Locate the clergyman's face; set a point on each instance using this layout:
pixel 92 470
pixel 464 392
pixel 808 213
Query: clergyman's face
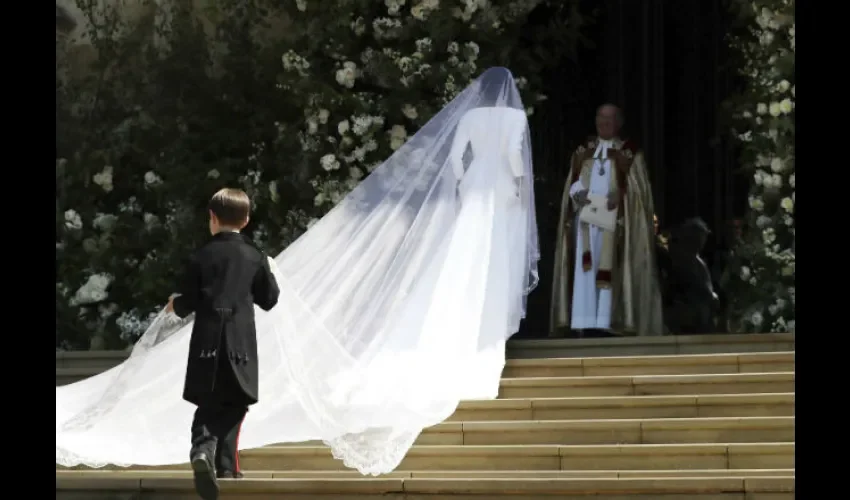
pixel 606 122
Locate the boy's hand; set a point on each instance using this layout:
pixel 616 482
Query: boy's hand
pixel 170 307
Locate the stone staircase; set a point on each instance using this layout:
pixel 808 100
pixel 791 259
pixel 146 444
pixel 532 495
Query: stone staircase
pixel 703 417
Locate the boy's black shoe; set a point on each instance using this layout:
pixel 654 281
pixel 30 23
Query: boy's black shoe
pixel 227 474
pixel 205 480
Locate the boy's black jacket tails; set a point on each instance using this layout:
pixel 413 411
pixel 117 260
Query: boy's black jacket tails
pixel 222 282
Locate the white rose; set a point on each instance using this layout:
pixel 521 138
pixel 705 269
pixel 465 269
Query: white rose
pixel 776 180
pixel 301 5
pixel 756 319
pixel 777 165
pixel 323 116
pixel 398 135
pixel 151 179
pixel 355 173
pixel 329 162
pixel 792 180
pixel 418 12
pixel 347 74
pixel 393 6
pixel 763 221
pixel 73 220
pixel 213 174
pixel 342 127
pixel 423 45
pixel 410 112
pixel 745 273
pixel 758 177
pixel 787 204
pixel 756 203
pixel 793 91
pixel 783 86
pixel 785 106
pixel 774 109
pixel 761 108
pixel 104 178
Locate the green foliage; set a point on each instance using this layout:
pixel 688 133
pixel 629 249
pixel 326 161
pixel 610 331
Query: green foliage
pixel 176 103
pixel 761 279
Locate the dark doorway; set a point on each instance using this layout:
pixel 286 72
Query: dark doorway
pixel 666 65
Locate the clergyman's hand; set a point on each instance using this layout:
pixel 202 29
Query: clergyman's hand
pixel 613 200
pixel 580 198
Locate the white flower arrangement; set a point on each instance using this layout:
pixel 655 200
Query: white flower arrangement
pixel 765 130
pixel 350 84
pixel 350 132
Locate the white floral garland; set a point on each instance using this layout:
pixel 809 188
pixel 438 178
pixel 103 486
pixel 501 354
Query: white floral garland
pixel 343 134
pixel 348 147
pixel 765 129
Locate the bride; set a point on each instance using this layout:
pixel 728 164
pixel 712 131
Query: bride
pixel 394 307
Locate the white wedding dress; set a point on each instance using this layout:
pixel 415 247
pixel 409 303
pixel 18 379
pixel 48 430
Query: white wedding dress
pixel 394 307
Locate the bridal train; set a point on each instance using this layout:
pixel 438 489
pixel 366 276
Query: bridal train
pixel 394 307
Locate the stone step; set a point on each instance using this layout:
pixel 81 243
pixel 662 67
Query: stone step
pixel 577 367
pixel 675 406
pixel 651 365
pixel 97 361
pixel 534 457
pixel 89 360
pixel 639 385
pixel 434 474
pixel 547 457
pixel 550 348
pixel 703 488
pixel 624 385
pixel 623 431
pixel 563 367
pixel 650 346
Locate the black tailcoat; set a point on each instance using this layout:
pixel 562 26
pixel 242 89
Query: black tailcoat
pixel 223 281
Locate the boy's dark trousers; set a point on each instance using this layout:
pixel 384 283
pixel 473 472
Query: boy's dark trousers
pixel 218 422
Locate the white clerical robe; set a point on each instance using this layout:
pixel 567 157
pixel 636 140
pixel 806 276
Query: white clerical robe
pixel 591 306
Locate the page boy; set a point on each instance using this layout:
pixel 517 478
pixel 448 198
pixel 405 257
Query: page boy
pixel 223 280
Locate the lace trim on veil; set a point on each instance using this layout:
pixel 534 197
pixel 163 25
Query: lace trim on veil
pixel 163 327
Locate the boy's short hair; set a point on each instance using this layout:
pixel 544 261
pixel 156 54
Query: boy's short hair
pixel 231 206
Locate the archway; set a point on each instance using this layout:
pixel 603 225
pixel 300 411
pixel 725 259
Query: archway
pixel 666 67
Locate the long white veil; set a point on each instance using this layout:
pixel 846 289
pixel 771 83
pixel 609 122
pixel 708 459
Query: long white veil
pixel 394 307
